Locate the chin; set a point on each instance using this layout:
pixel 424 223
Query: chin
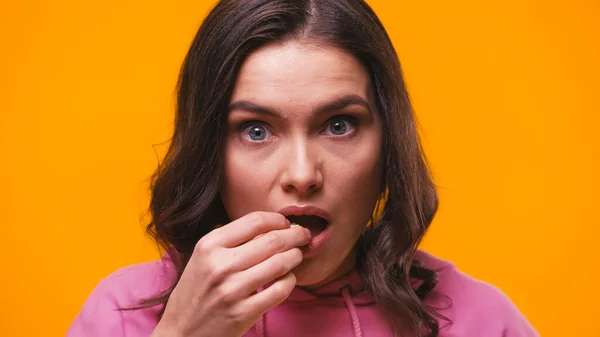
pixel 311 272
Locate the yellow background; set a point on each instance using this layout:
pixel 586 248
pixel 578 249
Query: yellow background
pixel 506 92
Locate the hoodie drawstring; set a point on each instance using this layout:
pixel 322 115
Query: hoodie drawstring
pixel 352 310
pixel 260 326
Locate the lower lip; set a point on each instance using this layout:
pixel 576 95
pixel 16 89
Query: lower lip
pixel 316 242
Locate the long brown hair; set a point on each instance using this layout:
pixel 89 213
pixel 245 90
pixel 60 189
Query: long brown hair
pixel 185 203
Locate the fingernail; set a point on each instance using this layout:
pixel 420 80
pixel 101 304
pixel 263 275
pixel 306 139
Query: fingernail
pixel 305 229
pixel 308 233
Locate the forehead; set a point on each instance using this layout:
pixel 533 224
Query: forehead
pixel 301 74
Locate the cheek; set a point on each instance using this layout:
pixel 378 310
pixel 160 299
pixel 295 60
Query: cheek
pixel 359 167
pixel 245 184
pixel 357 178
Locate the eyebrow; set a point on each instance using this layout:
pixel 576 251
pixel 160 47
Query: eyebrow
pixel 337 104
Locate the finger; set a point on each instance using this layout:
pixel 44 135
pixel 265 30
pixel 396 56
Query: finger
pixel 247 227
pixel 271 296
pixel 259 235
pixel 267 271
pixel 263 247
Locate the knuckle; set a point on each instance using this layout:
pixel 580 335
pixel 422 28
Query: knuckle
pixel 227 293
pixel 203 246
pixel 216 270
pixel 273 242
pixel 236 315
pixel 281 266
pixel 256 219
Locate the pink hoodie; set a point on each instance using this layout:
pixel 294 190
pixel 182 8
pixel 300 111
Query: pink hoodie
pixel 340 308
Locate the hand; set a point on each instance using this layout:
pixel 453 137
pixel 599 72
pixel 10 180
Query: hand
pixel 216 295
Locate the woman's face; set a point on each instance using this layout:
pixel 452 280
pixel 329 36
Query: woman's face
pixel 303 131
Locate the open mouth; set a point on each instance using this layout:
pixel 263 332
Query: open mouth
pixel 314 223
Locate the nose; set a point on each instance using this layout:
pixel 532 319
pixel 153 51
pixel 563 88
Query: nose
pixel 302 172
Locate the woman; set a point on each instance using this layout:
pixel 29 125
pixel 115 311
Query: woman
pixel 294 112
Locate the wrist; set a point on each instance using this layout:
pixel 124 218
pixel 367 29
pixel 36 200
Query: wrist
pixel 164 331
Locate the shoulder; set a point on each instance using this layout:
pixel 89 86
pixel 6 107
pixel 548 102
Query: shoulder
pixel 475 307
pixel 102 313
pixel 130 284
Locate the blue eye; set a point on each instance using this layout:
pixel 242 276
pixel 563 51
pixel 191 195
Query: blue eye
pixel 339 126
pixel 256 133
